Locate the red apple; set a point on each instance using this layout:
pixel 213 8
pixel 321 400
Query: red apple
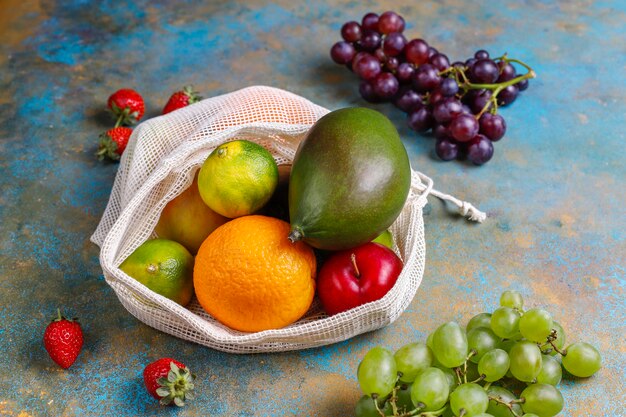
pixel 357 276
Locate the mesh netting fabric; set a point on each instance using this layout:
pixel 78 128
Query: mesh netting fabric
pixel 160 162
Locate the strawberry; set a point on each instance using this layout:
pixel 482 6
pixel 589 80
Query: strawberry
pixel 113 142
pixel 63 340
pixel 181 98
pixel 169 381
pixel 127 106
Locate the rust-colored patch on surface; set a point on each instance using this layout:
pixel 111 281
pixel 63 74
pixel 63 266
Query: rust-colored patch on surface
pixel 19 20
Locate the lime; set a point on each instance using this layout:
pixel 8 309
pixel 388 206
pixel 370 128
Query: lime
pixel 165 267
pixel 385 238
pixel 238 178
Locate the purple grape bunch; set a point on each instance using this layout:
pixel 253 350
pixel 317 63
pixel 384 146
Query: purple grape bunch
pixel 458 101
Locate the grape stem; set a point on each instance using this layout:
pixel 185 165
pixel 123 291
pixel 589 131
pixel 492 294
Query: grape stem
pixel 471 353
pixel 550 341
pixel 381 412
pixel 480 378
pixel 458 372
pixel 508 405
pixel 425 413
pixel 495 88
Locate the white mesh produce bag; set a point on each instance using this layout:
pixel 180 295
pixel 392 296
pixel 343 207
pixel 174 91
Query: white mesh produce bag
pixel 161 160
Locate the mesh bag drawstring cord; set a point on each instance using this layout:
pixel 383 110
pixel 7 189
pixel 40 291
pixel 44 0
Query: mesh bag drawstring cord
pixel 465 208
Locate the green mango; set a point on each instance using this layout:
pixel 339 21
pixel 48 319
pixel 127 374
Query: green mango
pixel 349 180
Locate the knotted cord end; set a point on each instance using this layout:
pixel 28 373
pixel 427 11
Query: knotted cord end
pixel 471 212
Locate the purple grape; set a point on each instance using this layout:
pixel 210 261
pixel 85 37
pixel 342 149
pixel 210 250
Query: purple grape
pixel 507 95
pixel 342 52
pixel 435 96
pixel 392 63
pixel 478 100
pixel 446 149
pixel 405 72
pixel 432 51
pixel 394 44
pixel 447 109
pixel 439 61
pixel 420 120
pixel 385 85
pixel 441 132
pixel 370 22
pixel 507 71
pixel 366 89
pixel 479 150
pixel 366 66
pixel 466 109
pixel 484 71
pixel 470 62
pixel 448 87
pixel 408 100
pixel 481 54
pixel 416 52
pixel 351 31
pixel 380 55
pixel 458 64
pixel 464 127
pixel 493 126
pixel 426 78
pixel 522 85
pixel 389 22
pixel 370 40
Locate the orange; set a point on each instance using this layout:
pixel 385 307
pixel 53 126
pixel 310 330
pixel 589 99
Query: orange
pixel 250 277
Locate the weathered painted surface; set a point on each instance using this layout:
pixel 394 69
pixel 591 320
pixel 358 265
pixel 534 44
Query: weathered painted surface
pixel 554 190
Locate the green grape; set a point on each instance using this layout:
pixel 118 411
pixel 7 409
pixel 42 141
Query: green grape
pixel 530 415
pixel 479 320
pixel 377 372
pixel 430 390
pixel 506 345
pixel 582 359
pixel 449 373
pixel 551 371
pixel 512 299
pixel 525 361
pixel 535 325
pixel 505 322
pixel 482 340
pixel 482 415
pixel 542 399
pixel 559 342
pixel 470 397
pixel 472 372
pixel 365 407
pixel 494 365
pixel 412 359
pixel 404 401
pixel 450 345
pixel 429 340
pixel 500 410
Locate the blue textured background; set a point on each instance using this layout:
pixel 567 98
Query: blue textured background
pixel 554 190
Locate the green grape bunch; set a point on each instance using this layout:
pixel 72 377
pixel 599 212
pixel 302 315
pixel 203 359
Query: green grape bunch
pixel 476 371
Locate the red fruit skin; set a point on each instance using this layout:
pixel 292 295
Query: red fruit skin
pixel 156 370
pixel 339 286
pixel 127 97
pixel 63 340
pixel 120 136
pixel 177 101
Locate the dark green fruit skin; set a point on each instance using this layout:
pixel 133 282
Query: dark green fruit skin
pixel 349 181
